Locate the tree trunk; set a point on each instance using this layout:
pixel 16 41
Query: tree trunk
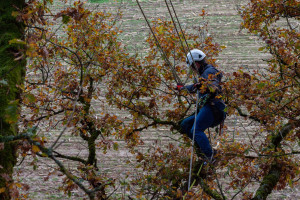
pixel 12 73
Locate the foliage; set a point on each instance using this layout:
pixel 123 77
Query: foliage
pixel 80 78
pixel 72 78
pixel 270 96
pixel 12 72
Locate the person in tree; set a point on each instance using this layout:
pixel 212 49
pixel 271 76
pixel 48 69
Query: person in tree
pixel 212 112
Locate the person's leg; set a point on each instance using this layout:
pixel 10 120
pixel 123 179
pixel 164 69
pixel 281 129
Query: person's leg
pixel 187 124
pixel 204 120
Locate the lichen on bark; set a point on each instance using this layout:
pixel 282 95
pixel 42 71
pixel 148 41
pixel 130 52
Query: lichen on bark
pixel 12 73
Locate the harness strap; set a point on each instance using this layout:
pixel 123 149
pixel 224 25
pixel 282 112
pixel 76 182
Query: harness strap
pixel 221 128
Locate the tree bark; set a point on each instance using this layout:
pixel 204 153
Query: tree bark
pixel 268 183
pixel 12 73
pixel 271 179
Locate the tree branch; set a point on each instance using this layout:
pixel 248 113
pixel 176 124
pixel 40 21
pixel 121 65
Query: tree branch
pixel 74 158
pixel 268 183
pixel 210 191
pixel 282 133
pixel 271 179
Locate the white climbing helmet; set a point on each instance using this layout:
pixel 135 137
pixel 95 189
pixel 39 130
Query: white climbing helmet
pixel 197 55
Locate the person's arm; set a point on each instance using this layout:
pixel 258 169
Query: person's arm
pixel 191 88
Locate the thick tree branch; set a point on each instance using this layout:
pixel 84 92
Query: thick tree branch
pixel 49 153
pixel 198 179
pixel 271 179
pixel 10 138
pixel 241 113
pixel 268 183
pixel 72 177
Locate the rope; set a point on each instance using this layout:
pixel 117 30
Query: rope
pixel 179 36
pixel 176 77
pixel 201 103
pixel 175 26
pixel 195 124
pixel 193 141
pixel 184 38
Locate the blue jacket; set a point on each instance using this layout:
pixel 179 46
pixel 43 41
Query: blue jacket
pixel 209 69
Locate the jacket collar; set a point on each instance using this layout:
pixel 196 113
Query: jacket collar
pixel 202 69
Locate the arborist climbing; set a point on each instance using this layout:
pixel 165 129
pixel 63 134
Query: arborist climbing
pixel 211 113
pixel 211 109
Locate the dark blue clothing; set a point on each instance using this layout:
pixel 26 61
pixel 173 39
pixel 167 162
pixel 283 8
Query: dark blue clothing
pixel 209 69
pixel 211 114
pixel 204 120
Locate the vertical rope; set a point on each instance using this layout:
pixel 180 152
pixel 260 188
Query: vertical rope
pixel 176 77
pixel 184 38
pixel 193 141
pixel 175 27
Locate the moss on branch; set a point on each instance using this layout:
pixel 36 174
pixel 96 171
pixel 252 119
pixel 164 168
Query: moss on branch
pixel 268 183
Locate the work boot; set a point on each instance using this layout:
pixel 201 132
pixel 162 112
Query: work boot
pixel 207 165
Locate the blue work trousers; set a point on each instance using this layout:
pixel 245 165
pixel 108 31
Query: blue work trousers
pixel 204 120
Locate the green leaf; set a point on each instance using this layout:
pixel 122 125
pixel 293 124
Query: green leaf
pixel 11 112
pixel 17 41
pixel 161 30
pixel 260 85
pixel 226 109
pixel 15 13
pixel 66 19
pixel 33 130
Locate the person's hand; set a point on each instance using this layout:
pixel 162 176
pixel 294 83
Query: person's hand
pixel 197 85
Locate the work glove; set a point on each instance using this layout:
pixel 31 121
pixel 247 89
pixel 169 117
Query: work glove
pixel 179 87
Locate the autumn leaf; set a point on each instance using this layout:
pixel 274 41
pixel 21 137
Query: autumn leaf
pixel 2 190
pixel 35 149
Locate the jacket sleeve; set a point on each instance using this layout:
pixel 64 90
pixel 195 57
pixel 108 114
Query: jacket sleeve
pixel 190 88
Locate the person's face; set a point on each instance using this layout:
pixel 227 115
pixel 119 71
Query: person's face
pixel 196 66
